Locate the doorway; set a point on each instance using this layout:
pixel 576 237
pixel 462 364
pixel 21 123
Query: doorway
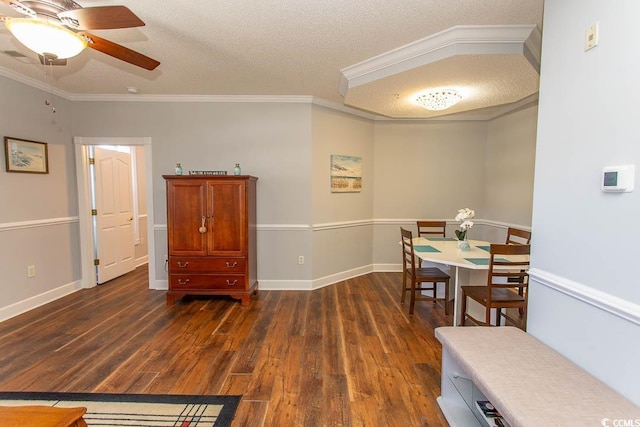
pixel 114 202
pixel 87 238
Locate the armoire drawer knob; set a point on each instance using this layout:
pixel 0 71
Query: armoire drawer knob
pixel 232 264
pixel 183 282
pixel 183 264
pixel 230 283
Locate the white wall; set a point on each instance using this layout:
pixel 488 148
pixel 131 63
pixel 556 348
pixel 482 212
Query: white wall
pixel 585 298
pixel 141 249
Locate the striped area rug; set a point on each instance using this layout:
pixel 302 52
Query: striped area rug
pixel 136 410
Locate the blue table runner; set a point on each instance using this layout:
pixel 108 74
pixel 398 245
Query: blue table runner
pixel 425 248
pixel 483 261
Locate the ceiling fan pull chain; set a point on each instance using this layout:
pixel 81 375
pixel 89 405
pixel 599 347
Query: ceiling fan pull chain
pixel 46 79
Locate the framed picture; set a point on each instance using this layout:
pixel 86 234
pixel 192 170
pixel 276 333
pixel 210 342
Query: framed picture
pixel 346 174
pixel 25 156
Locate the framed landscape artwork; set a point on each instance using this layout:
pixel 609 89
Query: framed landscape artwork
pixel 25 156
pixel 346 174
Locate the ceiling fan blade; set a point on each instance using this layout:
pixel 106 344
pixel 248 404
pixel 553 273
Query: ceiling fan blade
pixel 100 18
pixel 120 52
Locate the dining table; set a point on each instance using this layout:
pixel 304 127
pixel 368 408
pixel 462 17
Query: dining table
pixel 466 267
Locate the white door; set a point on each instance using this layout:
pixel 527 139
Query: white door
pixel 114 219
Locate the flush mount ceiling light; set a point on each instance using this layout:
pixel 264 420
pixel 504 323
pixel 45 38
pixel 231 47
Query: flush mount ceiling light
pixel 46 38
pixel 439 99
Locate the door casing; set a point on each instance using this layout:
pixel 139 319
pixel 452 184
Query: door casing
pixel 84 205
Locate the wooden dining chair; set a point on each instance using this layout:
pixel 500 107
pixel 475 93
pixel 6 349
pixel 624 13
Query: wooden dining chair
pixel 432 229
pixel 506 287
pixel 515 236
pixel 418 279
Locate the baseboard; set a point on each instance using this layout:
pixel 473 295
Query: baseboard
pixel 285 285
pixel 160 285
pixel 387 268
pixel 309 285
pixel 321 282
pixel 23 306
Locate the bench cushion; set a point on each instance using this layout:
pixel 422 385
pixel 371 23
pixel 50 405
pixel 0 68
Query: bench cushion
pixel 530 383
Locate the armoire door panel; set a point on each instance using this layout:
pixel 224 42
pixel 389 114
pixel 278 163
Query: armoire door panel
pixel 227 218
pixel 186 210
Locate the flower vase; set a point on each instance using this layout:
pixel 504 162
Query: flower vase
pixel 464 245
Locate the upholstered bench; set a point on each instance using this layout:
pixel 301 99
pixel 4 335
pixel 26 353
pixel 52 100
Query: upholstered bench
pixel 529 383
pixel 41 416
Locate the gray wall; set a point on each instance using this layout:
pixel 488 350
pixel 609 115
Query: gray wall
pixel 510 162
pixel 406 167
pixel 38 212
pixel 269 140
pixel 410 170
pixel 342 229
pixel 584 298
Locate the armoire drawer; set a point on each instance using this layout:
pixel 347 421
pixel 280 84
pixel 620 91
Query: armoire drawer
pixel 186 282
pixel 182 265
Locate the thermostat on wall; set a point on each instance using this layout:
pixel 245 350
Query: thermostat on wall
pixel 618 178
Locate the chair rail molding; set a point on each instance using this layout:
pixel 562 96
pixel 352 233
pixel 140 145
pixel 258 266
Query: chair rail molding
pixel 611 304
pixel 476 221
pixel 10 226
pixel 259 227
pixel 362 223
pixel 342 224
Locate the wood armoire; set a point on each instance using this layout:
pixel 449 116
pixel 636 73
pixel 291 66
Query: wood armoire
pixel 211 235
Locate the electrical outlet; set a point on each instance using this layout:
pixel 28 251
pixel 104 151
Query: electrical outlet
pixel 31 271
pixel 300 259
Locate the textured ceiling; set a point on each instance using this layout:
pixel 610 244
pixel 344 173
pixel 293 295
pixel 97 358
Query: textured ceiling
pixel 295 48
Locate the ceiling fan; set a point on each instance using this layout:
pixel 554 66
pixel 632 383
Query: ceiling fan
pixel 68 21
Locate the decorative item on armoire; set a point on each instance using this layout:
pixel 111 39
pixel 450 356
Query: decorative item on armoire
pixel 237 170
pixel 178 169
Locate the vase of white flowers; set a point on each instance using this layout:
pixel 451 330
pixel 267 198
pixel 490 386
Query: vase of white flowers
pixel 464 217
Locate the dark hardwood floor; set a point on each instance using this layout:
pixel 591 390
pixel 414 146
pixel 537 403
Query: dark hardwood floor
pixel 344 355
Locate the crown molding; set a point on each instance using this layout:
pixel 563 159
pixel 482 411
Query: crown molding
pixel 458 40
pixel 290 99
pixel 343 108
pixel 37 84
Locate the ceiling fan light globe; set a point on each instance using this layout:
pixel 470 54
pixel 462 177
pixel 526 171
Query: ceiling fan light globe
pixel 45 37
